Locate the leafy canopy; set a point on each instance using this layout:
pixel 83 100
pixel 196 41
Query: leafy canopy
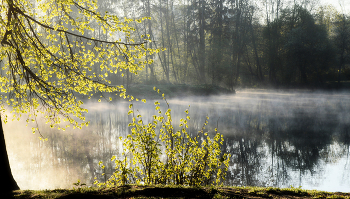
pixel 48 55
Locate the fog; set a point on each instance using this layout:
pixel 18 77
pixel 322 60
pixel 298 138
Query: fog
pixel 276 138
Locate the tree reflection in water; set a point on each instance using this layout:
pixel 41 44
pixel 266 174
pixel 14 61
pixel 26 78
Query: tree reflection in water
pixel 275 138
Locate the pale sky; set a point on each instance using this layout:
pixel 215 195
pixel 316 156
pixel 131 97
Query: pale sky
pixel 345 4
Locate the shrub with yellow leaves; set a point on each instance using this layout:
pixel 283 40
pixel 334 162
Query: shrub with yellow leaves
pixel 159 154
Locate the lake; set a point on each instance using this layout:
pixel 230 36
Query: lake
pixel 276 138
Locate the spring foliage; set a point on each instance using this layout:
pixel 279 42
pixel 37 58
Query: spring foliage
pixel 48 56
pixel 156 153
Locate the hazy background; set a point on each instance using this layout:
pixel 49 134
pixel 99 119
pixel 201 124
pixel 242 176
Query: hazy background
pixel 239 43
pixel 342 5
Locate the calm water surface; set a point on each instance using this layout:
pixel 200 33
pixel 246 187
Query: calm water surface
pixel 276 138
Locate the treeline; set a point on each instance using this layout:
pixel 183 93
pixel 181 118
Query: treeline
pixel 239 43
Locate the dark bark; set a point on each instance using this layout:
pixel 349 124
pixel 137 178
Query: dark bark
pixel 201 51
pixel 258 66
pixel 342 48
pixel 8 182
pixel 165 66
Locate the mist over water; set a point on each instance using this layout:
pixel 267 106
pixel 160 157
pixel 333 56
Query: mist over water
pixel 276 138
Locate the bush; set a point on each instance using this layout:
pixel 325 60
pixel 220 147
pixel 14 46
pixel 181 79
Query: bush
pixel 160 155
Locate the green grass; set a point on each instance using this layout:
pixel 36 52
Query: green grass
pixel 133 191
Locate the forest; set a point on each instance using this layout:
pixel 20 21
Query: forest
pixel 238 43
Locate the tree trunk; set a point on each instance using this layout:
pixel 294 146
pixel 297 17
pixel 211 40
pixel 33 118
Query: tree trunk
pixel 8 182
pixel 258 66
pixel 201 50
pixel 166 66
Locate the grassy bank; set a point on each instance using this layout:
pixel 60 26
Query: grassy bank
pixel 131 191
pixel 145 91
pixel 176 90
